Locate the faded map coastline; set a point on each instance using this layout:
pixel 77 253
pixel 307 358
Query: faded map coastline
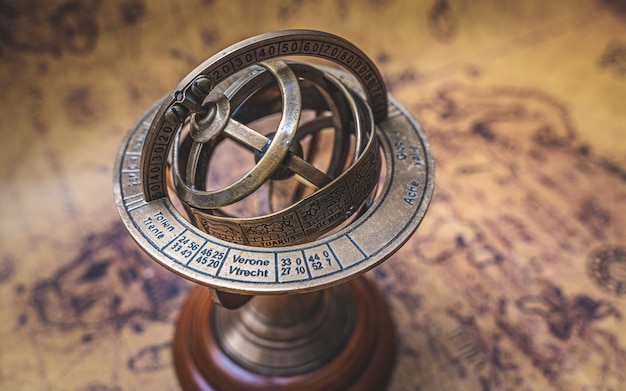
pixel 516 279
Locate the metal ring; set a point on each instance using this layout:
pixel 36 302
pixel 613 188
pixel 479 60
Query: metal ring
pixel 273 155
pixel 321 211
pixel 171 240
pixel 194 87
pixel 320 92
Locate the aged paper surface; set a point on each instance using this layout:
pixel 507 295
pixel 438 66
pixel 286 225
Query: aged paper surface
pixel 516 280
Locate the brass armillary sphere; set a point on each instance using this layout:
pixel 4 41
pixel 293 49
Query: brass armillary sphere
pixel 265 174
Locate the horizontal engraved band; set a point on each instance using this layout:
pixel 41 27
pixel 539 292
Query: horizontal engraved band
pixel 327 207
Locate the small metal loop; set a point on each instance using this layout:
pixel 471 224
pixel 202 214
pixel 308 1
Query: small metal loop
pixel 262 99
pixel 319 93
pixel 206 127
pixel 193 94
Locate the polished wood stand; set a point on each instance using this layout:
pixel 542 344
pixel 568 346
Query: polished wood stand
pixel 341 338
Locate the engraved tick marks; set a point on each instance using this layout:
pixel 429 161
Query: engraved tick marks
pixel 606 267
pixel 131 201
pixel 332 258
pixel 253 51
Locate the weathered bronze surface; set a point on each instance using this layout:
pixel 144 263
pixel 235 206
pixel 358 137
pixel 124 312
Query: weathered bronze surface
pixel 336 193
pixel 287 341
pixel 513 279
pixel 227 265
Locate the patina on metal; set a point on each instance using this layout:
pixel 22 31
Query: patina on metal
pixel 342 219
pixel 339 193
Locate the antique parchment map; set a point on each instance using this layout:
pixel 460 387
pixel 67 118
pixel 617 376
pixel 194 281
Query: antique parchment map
pixel 516 280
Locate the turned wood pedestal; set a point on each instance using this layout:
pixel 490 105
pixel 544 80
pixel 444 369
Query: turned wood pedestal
pixel 341 338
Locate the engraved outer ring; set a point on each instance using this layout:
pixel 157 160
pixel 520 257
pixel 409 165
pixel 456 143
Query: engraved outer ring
pixel 178 245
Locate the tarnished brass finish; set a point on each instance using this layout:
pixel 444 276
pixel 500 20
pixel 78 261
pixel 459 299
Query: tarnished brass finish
pixel 274 151
pixel 191 92
pixel 343 217
pixel 362 361
pixel 300 222
pixel 286 335
pixel 174 242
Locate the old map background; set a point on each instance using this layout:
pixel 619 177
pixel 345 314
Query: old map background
pixel 516 279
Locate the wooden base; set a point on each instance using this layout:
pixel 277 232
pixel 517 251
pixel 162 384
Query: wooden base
pixel 365 362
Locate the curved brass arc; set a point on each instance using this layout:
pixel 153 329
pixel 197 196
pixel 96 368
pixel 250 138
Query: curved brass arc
pixel 198 83
pixel 272 158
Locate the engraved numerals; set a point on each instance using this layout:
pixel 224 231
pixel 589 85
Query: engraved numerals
pixel 184 246
pixel 292 266
pixel 289 266
pixel 210 258
pixel 321 261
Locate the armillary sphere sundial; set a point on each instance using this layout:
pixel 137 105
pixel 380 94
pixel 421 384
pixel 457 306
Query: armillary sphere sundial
pixel 269 175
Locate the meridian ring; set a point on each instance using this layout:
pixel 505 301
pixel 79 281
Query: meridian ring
pixel 194 87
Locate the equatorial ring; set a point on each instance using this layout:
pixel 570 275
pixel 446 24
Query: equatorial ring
pixel 373 236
